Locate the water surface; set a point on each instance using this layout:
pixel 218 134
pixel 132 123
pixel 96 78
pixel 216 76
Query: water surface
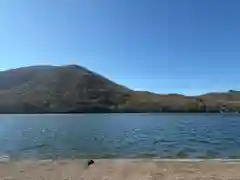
pixel 120 136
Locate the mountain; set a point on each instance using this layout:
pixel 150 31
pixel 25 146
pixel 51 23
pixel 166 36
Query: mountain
pixel 75 89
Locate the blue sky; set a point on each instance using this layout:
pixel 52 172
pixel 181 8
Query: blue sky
pixel 174 46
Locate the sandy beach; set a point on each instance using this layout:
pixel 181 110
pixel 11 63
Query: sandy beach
pixel 121 169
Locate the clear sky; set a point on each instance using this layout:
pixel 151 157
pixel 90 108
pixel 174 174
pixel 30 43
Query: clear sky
pixel 174 46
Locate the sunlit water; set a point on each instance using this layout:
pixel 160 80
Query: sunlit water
pixel 120 136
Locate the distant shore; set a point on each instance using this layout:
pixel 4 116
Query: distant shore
pixel 166 112
pixel 119 169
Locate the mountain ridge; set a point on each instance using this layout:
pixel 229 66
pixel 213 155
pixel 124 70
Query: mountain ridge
pixel 76 89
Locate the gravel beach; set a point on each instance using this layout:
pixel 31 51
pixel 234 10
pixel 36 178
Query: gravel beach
pixel 119 169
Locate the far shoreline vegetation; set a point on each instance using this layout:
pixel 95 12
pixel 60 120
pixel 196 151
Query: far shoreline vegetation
pixel 74 89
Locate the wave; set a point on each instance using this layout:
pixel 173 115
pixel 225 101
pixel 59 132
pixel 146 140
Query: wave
pixel 34 147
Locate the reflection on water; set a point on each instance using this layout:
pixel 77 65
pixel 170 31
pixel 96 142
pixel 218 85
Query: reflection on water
pixel 120 136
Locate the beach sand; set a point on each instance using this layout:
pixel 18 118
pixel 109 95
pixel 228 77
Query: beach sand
pixel 118 170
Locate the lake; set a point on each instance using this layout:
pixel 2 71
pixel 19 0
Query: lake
pixel 120 136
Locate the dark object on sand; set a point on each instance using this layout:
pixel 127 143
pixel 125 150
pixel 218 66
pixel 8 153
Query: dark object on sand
pixel 90 162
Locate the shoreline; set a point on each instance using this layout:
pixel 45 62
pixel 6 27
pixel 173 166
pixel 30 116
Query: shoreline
pixel 6 158
pixel 99 113
pixel 119 169
pixel 174 160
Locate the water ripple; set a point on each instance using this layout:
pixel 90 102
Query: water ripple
pixel 121 135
